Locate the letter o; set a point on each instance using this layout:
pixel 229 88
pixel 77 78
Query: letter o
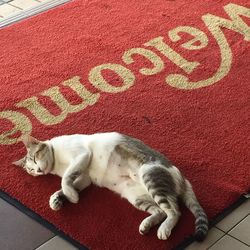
pixel 97 80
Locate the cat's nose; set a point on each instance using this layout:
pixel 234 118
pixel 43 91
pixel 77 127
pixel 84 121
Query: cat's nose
pixel 39 170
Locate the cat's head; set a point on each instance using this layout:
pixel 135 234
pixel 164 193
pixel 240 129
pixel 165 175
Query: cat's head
pixel 39 159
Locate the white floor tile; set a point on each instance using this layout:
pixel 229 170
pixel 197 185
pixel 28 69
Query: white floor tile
pixel 214 234
pixel 57 243
pixel 242 231
pixel 24 4
pixel 233 218
pixel 6 10
pixel 228 243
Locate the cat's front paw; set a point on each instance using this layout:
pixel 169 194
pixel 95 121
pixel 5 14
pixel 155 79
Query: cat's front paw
pixel 55 201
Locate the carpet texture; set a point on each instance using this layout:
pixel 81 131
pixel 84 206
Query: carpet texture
pixel 174 74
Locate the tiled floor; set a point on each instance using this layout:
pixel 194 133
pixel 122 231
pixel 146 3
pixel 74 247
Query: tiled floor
pixel 232 233
pixel 19 231
pixel 14 10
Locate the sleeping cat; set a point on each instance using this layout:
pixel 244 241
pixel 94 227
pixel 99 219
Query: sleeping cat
pixel 122 164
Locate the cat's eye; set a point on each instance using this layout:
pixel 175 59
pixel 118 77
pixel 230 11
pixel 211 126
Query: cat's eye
pixel 34 160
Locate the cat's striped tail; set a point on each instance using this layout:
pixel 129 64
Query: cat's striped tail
pixel 201 221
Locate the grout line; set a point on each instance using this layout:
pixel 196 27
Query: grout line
pixel 237 239
pixel 45 242
pixel 217 240
pixel 214 221
pixel 228 233
pixel 234 225
pixel 14 6
pixel 228 236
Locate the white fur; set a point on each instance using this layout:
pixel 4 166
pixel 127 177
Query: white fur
pixel 84 159
pixel 102 172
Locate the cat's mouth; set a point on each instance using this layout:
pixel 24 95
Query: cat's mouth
pixel 33 172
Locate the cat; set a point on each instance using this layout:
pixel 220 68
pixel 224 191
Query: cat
pixel 122 164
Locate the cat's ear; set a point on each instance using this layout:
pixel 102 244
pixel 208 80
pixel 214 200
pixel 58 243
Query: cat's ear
pixel 30 141
pixel 20 162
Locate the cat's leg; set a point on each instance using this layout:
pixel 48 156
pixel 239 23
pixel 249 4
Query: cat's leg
pixel 137 195
pixel 173 214
pixel 82 182
pixel 76 169
pixel 73 181
pixel 162 189
pixel 146 204
pixel 58 198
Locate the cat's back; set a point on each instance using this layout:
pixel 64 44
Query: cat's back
pixel 67 141
pixel 91 141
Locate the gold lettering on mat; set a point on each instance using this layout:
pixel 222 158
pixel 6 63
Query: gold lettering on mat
pixel 150 55
pixel 45 117
pixel 214 25
pixel 22 123
pixel 172 55
pixel 199 36
pixel 97 80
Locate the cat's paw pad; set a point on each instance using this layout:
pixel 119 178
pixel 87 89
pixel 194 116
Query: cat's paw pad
pixel 144 227
pixel 163 233
pixel 55 202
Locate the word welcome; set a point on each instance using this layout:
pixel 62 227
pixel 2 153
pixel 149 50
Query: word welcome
pixel 22 124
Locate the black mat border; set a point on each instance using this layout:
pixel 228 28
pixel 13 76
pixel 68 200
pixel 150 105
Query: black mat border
pixel 40 220
pixel 186 242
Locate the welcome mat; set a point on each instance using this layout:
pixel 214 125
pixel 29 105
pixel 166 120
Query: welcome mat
pixel 174 74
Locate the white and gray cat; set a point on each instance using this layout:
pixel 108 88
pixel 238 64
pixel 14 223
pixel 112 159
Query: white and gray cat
pixel 122 164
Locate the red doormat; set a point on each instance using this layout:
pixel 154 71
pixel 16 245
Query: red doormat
pixel 174 74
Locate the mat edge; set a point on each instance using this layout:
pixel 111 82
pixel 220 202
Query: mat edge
pixel 186 242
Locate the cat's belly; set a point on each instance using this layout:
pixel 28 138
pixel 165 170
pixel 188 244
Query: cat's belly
pixel 118 184
pixel 111 169
pixel 115 176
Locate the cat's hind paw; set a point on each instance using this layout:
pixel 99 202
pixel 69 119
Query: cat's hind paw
pixel 55 201
pixel 163 232
pixel 145 226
